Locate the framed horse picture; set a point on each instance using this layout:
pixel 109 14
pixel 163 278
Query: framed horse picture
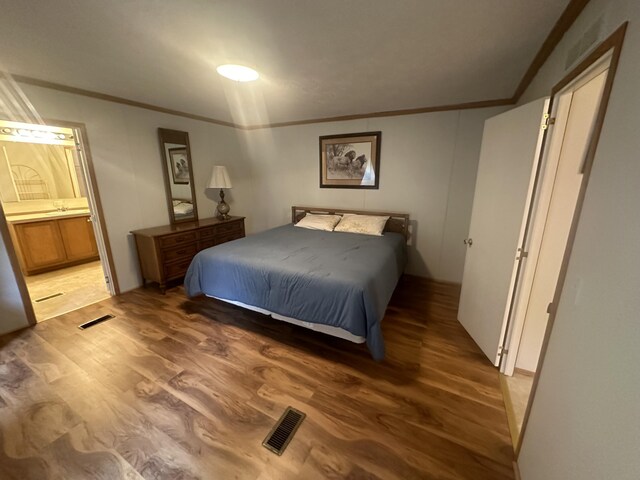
pixel 179 166
pixel 350 160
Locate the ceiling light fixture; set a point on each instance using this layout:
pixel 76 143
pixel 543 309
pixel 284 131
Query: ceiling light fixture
pixel 238 73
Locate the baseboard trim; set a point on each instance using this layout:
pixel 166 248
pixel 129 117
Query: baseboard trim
pixel 522 371
pixel 516 470
pixel 433 280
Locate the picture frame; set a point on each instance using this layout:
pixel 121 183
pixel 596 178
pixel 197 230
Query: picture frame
pixel 350 160
pixel 179 163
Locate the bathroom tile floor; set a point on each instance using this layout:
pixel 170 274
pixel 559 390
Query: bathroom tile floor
pixel 80 286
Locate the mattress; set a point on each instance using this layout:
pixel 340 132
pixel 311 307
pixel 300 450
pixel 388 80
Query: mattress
pixel 340 279
pixel 316 327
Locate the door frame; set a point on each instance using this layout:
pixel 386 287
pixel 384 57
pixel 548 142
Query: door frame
pixel 611 45
pixel 520 257
pixel 95 204
pixel 537 215
pixel 95 208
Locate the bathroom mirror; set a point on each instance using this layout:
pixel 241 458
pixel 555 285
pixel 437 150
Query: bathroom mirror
pixel 178 175
pixel 39 172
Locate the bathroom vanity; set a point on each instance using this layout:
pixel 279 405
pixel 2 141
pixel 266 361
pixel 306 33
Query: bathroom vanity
pixel 53 240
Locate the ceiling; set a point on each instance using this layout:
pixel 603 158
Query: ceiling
pixel 317 58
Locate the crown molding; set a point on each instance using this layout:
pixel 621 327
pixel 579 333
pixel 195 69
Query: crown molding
pixel 115 99
pixel 388 113
pixel 567 18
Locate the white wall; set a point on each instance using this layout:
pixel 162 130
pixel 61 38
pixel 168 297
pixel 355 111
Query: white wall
pixel 428 168
pixel 127 158
pixel 585 419
pixel 12 313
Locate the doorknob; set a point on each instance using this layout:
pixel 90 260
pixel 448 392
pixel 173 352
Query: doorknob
pixel 468 241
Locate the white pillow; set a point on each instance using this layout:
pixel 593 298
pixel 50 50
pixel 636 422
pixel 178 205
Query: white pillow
pixel 183 208
pixel 365 224
pixel 319 222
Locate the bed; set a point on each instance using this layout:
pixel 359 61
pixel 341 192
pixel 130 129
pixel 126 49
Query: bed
pixel 335 282
pixel 182 208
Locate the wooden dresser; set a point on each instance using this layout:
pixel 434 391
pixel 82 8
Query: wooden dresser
pixel 165 252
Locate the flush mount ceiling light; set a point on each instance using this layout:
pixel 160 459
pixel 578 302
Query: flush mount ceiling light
pixel 238 73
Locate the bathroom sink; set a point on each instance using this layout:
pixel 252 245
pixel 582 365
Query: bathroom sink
pixel 34 217
pixel 67 212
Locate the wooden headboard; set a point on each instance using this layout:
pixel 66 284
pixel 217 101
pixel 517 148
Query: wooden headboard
pixel 398 222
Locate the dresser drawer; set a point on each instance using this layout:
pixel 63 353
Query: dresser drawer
pixel 207 232
pixel 177 239
pixel 166 252
pixel 186 251
pixel 176 270
pixel 230 227
pixel 228 237
pixel 206 243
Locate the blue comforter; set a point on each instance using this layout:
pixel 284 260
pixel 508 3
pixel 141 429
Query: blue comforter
pixel 341 279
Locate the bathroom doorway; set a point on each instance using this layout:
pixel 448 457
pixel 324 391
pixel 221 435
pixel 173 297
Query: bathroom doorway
pixel 52 208
pixel 577 110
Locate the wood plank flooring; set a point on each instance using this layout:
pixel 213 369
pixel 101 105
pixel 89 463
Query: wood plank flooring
pixel 174 388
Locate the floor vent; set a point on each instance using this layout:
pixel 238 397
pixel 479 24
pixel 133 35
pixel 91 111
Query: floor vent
pixel 283 431
pixel 95 321
pixel 49 297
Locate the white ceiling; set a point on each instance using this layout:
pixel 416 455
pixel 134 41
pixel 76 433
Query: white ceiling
pixel 317 58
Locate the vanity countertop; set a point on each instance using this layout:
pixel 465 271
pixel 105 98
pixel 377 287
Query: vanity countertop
pixel 42 216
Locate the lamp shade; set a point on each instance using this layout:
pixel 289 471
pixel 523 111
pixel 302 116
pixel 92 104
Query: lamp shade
pixel 219 178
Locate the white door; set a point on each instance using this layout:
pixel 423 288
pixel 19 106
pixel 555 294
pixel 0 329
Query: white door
pixel 575 111
pixel 509 157
pixel 93 209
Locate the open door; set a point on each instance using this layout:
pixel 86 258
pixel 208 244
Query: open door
pixel 88 189
pixel 575 110
pixel 509 158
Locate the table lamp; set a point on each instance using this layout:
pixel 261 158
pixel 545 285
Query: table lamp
pixel 220 179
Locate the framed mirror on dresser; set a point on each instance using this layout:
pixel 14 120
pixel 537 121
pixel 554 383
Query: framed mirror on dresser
pixel 165 252
pixel 177 168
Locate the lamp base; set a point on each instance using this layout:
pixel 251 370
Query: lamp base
pixel 223 207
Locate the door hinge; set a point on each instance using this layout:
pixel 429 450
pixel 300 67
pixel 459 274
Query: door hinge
pixel 547 120
pixel 521 254
pixel 502 351
pixel 107 280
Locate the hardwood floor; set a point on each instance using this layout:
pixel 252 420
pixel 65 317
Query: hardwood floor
pixel 183 389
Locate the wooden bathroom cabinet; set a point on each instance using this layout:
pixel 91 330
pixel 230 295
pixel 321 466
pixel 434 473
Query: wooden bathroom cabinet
pixel 48 244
